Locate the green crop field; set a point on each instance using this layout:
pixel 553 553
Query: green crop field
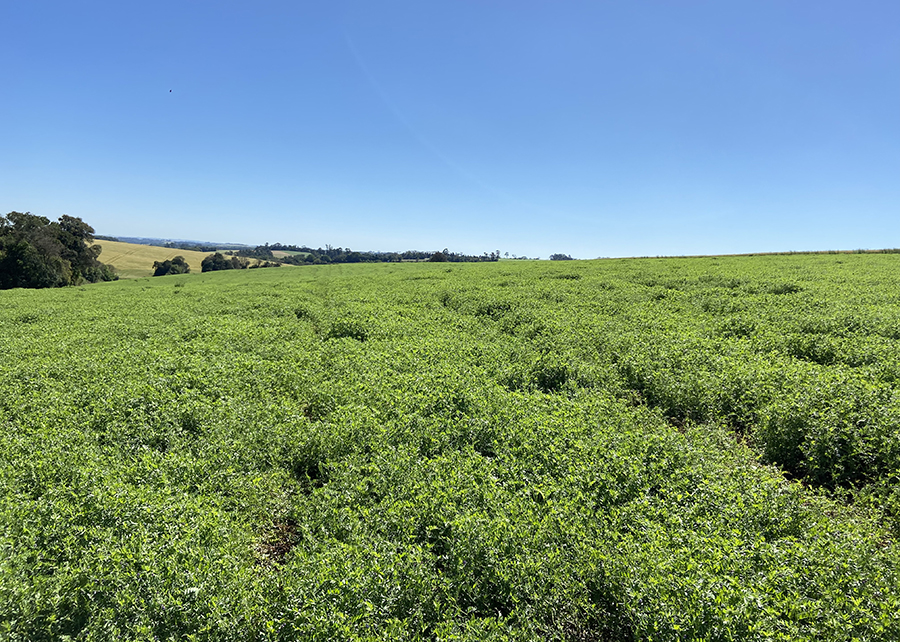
pixel 640 449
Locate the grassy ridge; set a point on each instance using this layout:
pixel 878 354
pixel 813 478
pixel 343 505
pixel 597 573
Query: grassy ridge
pixel 587 450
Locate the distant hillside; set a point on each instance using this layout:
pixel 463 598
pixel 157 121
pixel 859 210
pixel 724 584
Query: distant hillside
pixel 133 261
pixel 142 240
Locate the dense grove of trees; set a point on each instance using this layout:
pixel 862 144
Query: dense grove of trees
pixel 219 261
pixel 176 266
pixel 38 253
pixel 561 257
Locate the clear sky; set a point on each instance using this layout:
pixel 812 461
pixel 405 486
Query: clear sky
pixel 594 128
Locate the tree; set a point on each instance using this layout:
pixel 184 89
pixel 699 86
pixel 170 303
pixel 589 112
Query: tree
pixel 215 262
pixel 218 261
pixel 175 266
pixel 35 253
pixel 22 265
pixel 561 257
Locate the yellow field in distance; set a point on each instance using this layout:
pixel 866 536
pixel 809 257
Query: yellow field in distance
pixel 133 261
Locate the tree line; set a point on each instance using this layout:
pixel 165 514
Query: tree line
pixel 38 253
pixel 317 256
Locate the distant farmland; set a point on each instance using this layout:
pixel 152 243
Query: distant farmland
pixel 283 253
pixel 133 261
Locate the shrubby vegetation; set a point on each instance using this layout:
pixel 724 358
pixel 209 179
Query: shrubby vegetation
pixel 35 253
pixel 654 449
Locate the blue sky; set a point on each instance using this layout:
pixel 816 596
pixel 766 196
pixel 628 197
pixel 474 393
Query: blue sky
pixel 588 128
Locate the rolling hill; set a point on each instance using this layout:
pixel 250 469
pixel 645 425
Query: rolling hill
pixel 133 261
